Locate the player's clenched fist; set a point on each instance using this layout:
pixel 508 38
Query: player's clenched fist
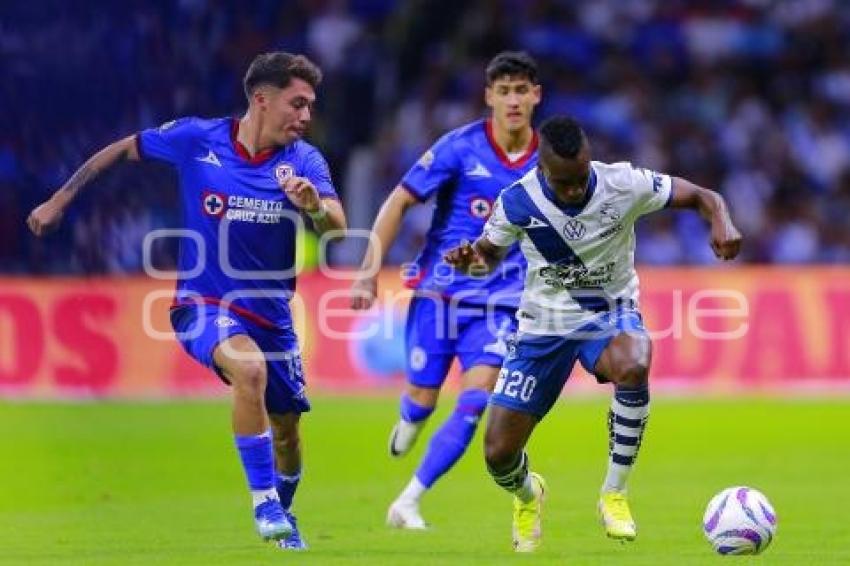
pixel 725 240
pixel 45 218
pixel 302 193
pixel 463 257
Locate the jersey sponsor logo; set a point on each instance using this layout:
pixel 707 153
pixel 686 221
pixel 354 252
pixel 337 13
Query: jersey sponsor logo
pixel 479 171
pixel 480 207
pixel 213 204
pixel 576 276
pixel 210 158
pixel 534 222
pixel 254 210
pixel 611 231
pixel 609 213
pixel 283 172
pixel 426 160
pixel 574 229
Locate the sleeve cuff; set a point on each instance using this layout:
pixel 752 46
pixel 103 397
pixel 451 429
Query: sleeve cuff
pixel 138 140
pixel 413 192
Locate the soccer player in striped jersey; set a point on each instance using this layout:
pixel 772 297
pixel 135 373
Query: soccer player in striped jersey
pixel 243 184
pixel 574 219
pixel 451 315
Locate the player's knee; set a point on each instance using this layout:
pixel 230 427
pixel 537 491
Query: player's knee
pixel 249 378
pixel 499 453
pixel 287 442
pixel 472 402
pixel 631 373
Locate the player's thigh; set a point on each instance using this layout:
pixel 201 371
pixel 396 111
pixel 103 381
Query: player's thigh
pixel 625 359
pixel 481 377
pixel 430 348
pixel 202 330
pixel 241 361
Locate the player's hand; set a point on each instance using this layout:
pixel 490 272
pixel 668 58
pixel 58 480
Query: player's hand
pixel 725 240
pixel 302 193
pixel 363 292
pixel 463 257
pixel 45 218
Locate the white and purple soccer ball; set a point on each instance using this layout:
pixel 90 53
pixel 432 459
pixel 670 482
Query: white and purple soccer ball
pixel 739 520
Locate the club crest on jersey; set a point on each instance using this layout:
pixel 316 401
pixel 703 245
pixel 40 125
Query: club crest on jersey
pixel 283 172
pixel 213 203
pixel 480 207
pixel 574 229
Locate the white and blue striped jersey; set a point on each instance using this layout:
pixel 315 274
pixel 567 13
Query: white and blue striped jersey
pixel 580 258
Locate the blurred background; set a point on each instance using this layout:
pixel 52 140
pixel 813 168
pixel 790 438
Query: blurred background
pixel 749 97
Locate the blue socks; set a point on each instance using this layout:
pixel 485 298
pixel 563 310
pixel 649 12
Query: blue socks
pixel 286 486
pixel 413 413
pixel 450 441
pixel 257 457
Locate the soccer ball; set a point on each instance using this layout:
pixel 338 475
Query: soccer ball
pixel 739 520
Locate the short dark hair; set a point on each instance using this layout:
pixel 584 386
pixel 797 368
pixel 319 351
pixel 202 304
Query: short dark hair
pixel 511 64
pixel 278 68
pixel 563 134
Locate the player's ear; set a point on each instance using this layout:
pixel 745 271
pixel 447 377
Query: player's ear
pixel 537 92
pixel 488 96
pixel 260 98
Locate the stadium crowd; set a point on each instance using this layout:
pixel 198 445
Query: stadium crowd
pixel 749 97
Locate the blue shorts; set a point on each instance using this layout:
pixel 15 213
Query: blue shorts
pixel 537 367
pixel 200 328
pixel 438 330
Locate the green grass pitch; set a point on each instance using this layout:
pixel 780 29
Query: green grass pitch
pixel 131 483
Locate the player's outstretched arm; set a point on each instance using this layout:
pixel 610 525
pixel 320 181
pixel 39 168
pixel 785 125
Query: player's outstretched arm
pixel 478 258
pixel 384 232
pixel 725 237
pixel 47 216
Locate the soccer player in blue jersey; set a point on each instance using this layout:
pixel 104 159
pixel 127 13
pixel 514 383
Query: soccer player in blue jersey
pixel 574 219
pixel 451 315
pixel 243 184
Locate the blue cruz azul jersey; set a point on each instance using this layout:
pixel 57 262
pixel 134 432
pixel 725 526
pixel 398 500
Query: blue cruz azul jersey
pixel 466 170
pixel 240 228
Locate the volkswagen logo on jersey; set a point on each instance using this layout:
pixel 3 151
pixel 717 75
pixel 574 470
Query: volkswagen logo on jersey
pixel 480 207
pixel 574 229
pixel 283 172
pixel 213 204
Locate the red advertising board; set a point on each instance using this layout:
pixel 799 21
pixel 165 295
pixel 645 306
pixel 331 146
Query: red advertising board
pixel 776 329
